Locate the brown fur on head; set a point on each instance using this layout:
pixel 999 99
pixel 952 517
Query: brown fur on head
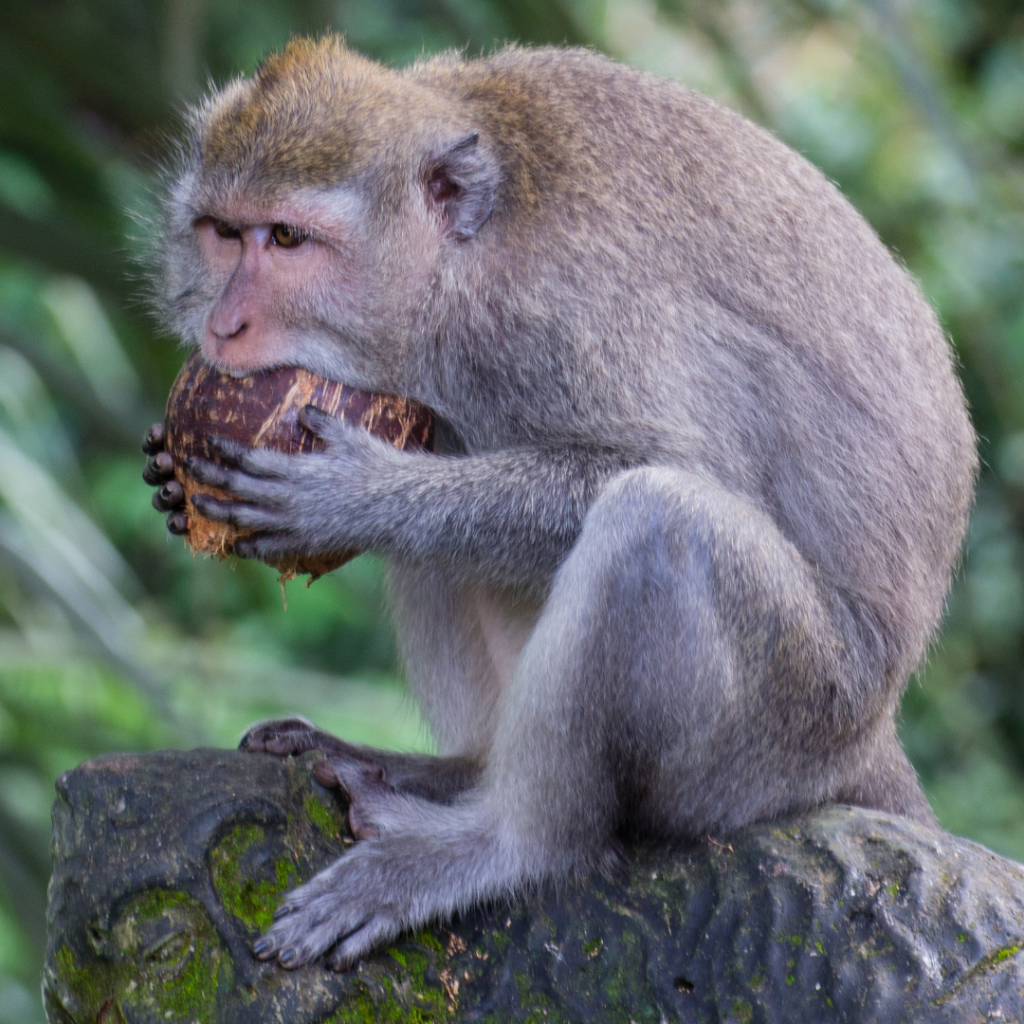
pixel 309 117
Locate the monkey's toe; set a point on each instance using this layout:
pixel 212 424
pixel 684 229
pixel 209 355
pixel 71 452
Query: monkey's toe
pixel 369 793
pixel 347 953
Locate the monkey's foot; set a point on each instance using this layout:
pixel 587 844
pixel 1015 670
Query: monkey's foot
pixel 374 806
pixel 284 736
pixel 360 902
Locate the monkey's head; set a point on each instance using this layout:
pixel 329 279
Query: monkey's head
pixel 313 210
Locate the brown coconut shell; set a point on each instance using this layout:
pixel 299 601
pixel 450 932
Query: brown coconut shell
pixel 262 411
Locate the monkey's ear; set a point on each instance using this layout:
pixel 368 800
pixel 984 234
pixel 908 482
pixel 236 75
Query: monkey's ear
pixel 462 183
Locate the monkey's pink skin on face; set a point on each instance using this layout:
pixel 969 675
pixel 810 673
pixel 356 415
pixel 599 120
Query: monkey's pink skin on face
pixel 263 410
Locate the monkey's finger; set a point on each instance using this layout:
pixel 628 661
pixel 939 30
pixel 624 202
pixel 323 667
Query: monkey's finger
pixel 316 420
pixel 240 484
pixel 266 547
pixel 158 469
pixel 333 430
pixel 177 523
pixel 235 513
pixel 154 440
pixel 261 462
pixel 305 925
pixel 169 497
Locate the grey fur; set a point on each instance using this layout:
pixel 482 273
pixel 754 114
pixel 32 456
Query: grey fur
pixel 711 473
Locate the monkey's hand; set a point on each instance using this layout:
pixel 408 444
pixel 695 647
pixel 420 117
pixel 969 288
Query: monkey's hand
pixel 438 779
pixel 289 736
pixel 159 472
pixel 299 505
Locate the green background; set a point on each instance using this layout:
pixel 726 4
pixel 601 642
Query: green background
pixel 112 637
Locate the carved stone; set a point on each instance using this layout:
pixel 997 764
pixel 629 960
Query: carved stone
pixel 168 865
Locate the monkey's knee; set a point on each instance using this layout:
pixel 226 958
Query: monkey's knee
pixel 695 543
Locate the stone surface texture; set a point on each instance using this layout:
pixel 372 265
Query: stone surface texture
pixel 168 865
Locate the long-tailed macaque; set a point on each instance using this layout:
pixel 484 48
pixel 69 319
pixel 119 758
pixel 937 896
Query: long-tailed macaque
pixel 707 469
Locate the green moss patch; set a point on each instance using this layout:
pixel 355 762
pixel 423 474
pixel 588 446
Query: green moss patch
pixel 251 895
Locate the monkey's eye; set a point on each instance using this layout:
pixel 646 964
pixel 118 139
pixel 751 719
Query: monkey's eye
pixel 225 230
pixel 287 236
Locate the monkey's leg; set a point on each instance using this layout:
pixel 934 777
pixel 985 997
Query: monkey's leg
pixel 432 778
pixel 689 672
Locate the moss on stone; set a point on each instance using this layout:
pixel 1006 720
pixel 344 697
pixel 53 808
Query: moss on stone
pixel 323 818
pixel 742 1011
pixel 408 995
pixel 251 899
pixel 159 887
pixel 87 986
pixel 183 964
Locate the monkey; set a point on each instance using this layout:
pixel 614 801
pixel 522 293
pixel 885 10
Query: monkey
pixel 705 468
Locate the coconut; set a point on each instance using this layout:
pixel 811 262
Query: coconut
pixel 262 411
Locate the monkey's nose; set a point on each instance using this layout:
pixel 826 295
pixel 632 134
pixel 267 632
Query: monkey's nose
pixel 232 313
pixel 227 329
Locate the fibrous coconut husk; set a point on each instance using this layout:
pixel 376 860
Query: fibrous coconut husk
pixel 262 411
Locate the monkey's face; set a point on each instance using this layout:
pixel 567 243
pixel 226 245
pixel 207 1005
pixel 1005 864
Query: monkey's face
pixel 307 277
pixel 314 214
pixel 333 279
pixel 282 281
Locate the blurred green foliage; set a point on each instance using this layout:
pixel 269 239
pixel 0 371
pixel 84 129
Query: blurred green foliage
pixel 112 637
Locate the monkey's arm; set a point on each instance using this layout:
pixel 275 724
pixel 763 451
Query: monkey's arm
pixel 509 516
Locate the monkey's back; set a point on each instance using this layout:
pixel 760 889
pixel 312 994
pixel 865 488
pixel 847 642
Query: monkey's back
pixel 698 294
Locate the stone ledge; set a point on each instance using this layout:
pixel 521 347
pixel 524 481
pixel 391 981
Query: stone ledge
pixel 167 866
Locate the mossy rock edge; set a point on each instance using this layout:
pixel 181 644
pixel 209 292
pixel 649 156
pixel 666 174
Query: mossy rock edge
pixel 168 865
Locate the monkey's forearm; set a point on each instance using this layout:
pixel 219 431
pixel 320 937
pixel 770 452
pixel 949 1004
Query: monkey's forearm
pixel 509 516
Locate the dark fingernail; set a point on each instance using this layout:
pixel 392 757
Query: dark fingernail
pixel 154 439
pixel 188 465
pixel 263 948
pixel 288 957
pixel 282 911
pixel 163 462
pixel 177 523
